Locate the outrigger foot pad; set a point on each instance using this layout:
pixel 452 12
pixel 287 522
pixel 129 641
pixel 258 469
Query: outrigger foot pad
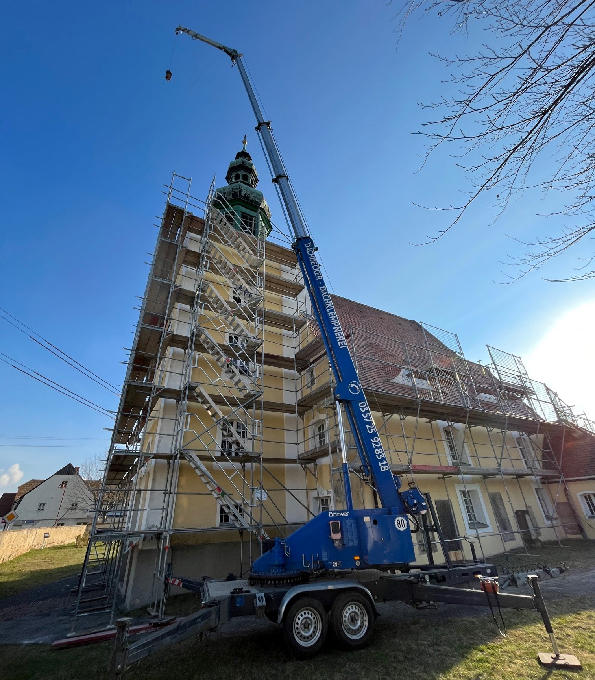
pixel 550 660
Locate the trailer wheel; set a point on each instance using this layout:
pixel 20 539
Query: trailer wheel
pixel 305 626
pixel 352 620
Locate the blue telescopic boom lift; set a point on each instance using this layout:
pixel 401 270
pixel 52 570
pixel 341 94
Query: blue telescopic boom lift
pixel 328 573
pixel 353 538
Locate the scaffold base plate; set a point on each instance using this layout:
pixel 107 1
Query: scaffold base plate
pixel 563 661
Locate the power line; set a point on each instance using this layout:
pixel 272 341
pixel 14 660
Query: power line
pixel 46 344
pixel 54 385
pixel 59 439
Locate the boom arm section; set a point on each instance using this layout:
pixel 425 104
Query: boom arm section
pixel 348 391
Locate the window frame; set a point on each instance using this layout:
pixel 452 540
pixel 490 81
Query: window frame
pixel 549 519
pixel 487 525
pixel 248 223
pixel 585 504
pixel 521 436
pixel 235 449
pixel 220 512
pixel 316 432
pixel 464 457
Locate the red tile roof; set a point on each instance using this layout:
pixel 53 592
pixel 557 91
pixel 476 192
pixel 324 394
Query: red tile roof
pixel 386 347
pixel 6 501
pixel 26 487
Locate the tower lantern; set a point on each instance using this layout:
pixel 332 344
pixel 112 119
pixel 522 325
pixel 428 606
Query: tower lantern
pixel 243 205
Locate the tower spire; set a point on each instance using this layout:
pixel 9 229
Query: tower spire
pixel 244 143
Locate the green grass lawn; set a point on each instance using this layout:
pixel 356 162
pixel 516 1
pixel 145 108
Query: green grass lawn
pixel 38 567
pixel 446 649
pixel 423 649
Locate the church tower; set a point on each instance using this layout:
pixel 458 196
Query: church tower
pixel 242 203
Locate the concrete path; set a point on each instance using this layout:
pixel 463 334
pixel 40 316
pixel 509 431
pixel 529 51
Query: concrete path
pixel 41 615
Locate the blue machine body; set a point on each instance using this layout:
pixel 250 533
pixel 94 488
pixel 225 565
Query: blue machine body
pixel 367 538
pixel 350 539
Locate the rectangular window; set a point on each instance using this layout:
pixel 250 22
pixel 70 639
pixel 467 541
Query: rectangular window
pixel 248 223
pixel 456 447
pixel 448 524
pixel 525 448
pixel 230 444
pixel 63 485
pixel 320 434
pixel 226 517
pixel 237 342
pixel 324 504
pixel 310 377
pixel 545 504
pixel 502 519
pixel 41 506
pixel 238 295
pixel 589 504
pixel 242 367
pixel 473 510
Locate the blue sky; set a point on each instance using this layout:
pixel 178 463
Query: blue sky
pixel 92 131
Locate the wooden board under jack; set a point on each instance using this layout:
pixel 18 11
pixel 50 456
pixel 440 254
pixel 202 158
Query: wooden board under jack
pixel 550 660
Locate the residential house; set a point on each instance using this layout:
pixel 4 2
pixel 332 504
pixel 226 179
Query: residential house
pixel 60 500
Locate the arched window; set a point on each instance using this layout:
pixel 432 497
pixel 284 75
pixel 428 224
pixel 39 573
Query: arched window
pixel 237 175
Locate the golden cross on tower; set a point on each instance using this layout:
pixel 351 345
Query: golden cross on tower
pixel 244 143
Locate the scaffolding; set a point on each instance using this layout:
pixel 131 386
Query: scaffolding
pixel 194 395
pixel 442 417
pixel 227 382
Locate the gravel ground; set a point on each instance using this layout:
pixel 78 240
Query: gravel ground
pixel 42 615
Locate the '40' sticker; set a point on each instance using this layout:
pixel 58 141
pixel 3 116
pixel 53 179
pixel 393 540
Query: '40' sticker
pixel 401 523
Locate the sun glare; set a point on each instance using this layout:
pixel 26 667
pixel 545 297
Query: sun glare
pixel 564 359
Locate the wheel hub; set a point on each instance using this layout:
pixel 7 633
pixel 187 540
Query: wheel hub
pixel 355 621
pixel 307 627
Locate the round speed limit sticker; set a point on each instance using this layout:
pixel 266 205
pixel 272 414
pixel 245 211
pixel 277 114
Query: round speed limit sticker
pixel 401 523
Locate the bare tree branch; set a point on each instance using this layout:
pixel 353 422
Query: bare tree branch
pixel 524 113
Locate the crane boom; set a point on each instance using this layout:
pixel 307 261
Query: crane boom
pixel 349 391
pixel 356 538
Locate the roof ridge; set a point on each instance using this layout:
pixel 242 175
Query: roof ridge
pixel 375 309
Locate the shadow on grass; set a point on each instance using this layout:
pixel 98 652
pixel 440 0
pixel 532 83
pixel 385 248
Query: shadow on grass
pixel 423 649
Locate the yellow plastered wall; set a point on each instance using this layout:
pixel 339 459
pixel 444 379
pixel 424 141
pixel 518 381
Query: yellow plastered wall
pixel 577 492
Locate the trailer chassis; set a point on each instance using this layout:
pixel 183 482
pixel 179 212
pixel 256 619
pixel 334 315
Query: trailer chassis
pixel 308 610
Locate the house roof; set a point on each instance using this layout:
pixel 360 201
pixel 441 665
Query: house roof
pixel 405 359
pixel 68 469
pixel 26 487
pixel 6 501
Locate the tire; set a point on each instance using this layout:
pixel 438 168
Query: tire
pixel 352 620
pixel 305 627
